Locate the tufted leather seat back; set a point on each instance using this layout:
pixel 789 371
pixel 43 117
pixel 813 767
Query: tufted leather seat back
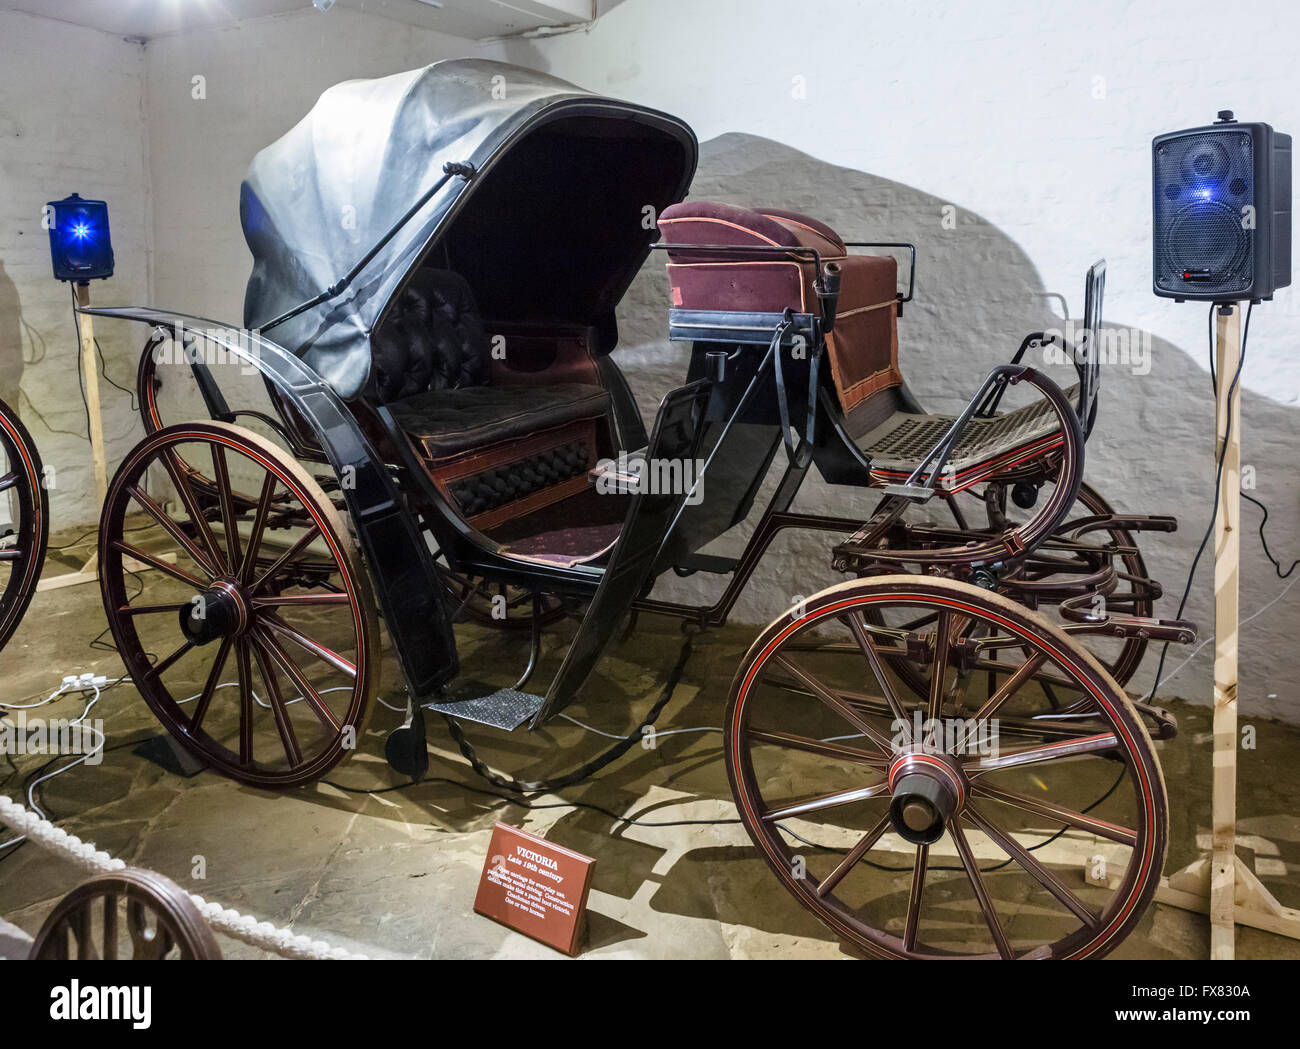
pixel 433 339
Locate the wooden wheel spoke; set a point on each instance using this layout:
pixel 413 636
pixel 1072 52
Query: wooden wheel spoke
pixel 158 564
pixel 826 748
pixel 301 600
pixel 110 927
pixel 309 693
pixel 835 702
pixel 286 558
pixel 172 463
pixel 827 801
pixel 331 657
pixel 210 686
pixel 877 665
pixel 259 527
pixel 855 854
pixel 279 709
pixel 1059 813
pixel 85 934
pixel 1011 686
pixel 981 891
pixel 151 610
pixel 914 897
pixel 918 622
pixel 246 705
pixel 161 667
pixel 942 641
pixel 224 494
pixel 1040 873
pixel 1055 751
pixel 169 526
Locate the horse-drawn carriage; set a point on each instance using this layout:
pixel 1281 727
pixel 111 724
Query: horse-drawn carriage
pixel 438 257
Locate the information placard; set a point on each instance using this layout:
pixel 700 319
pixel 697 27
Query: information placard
pixel 535 887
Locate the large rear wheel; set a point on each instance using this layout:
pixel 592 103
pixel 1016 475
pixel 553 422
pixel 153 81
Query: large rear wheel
pixel 242 610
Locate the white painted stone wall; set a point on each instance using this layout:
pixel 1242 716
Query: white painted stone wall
pixel 71 120
pixel 260 77
pixel 1034 120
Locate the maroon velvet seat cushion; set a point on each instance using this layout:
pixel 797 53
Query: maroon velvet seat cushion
pixel 863 347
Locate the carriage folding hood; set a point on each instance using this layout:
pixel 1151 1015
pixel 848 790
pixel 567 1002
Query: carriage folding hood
pixel 315 201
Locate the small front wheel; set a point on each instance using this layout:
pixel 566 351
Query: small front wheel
pixel 960 821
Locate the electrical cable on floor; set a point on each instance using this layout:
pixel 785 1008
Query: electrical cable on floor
pixel 40 776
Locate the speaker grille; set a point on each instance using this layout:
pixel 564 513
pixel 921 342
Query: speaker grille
pixel 1202 183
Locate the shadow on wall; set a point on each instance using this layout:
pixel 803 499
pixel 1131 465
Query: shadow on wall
pixel 977 295
pixel 11 341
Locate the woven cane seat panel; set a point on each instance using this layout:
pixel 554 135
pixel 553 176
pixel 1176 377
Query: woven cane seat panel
pixel 898 445
pixel 496 486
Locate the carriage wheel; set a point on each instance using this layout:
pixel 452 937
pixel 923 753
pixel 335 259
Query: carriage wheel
pixel 131 915
pixel 252 638
pixel 496 604
pixel 22 548
pixel 930 843
pixel 1121 664
pixel 149 384
pixel 1120 657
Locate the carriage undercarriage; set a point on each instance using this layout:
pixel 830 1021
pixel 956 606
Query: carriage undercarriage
pixel 959 698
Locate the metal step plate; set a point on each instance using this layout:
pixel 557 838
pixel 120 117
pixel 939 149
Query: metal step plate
pixel 506 708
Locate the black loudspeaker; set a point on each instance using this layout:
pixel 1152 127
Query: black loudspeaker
pixel 1222 212
pixel 80 246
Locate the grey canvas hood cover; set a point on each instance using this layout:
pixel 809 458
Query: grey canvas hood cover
pixel 315 201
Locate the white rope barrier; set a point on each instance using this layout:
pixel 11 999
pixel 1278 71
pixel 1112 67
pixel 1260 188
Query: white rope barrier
pixel 242 927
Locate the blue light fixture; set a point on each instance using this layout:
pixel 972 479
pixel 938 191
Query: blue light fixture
pixel 80 246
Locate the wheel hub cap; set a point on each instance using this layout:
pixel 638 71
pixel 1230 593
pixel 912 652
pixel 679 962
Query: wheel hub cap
pixel 220 611
pixel 928 789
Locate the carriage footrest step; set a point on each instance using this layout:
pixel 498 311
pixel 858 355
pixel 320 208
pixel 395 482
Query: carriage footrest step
pixel 506 708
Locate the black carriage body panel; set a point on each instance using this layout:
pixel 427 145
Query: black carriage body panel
pixel 739 441
pixel 406 579
pixel 651 516
pixel 316 200
pixel 629 430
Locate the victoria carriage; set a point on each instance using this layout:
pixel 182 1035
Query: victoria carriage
pixel 438 260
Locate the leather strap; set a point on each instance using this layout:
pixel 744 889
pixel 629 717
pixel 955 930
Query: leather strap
pixel 799 457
